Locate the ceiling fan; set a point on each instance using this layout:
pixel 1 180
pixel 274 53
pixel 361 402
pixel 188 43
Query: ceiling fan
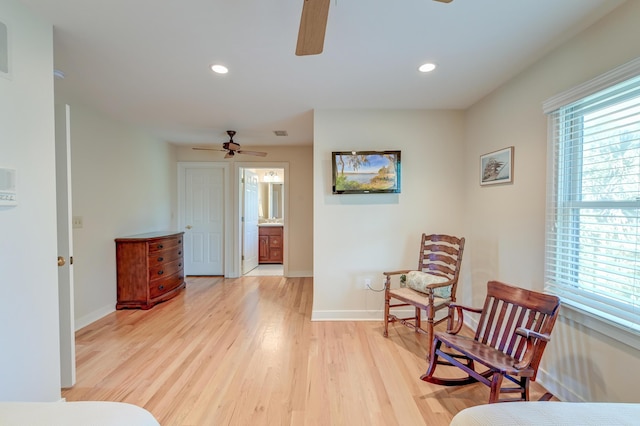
pixel 232 148
pixel 313 25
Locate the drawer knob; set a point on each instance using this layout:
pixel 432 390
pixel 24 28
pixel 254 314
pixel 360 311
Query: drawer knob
pixel 160 272
pixel 160 246
pixel 180 252
pixel 179 241
pixel 160 287
pixel 179 264
pixel 160 259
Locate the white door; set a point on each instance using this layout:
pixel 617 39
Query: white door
pixel 203 220
pixel 65 248
pixel 250 222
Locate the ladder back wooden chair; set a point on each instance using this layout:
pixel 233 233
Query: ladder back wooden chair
pixel 430 288
pixel 513 330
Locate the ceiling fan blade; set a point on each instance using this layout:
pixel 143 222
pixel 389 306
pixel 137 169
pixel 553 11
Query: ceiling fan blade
pixel 256 153
pixel 208 149
pixel 313 24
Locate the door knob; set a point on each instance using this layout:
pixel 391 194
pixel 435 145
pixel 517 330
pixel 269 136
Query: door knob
pixel 61 261
pixel 188 226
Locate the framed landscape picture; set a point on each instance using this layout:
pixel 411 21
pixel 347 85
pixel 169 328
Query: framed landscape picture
pixel 497 167
pixel 366 172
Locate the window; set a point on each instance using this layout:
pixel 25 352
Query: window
pixel 592 254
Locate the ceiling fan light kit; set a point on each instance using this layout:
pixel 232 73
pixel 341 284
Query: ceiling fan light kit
pixel 232 148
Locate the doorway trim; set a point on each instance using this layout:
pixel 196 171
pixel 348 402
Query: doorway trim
pixel 66 307
pixel 237 224
pixel 228 211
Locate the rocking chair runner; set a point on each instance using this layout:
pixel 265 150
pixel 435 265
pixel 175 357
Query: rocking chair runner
pixel 440 259
pixel 513 330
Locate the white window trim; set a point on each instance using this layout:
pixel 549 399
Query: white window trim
pixel 573 312
pixel 623 72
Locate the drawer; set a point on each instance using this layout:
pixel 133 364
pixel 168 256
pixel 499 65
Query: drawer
pixel 275 242
pixel 275 254
pixel 270 230
pixel 164 269
pixel 165 243
pixel 159 287
pixel 165 256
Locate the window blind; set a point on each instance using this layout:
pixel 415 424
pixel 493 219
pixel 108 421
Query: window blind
pixel 592 256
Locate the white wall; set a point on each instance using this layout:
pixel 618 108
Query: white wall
pixel 29 336
pixel 505 224
pixel 359 236
pixel 123 183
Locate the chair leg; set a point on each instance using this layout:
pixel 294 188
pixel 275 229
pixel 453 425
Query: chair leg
pixel 386 313
pixel 524 384
pixel 418 319
pixel 496 384
pixel 430 315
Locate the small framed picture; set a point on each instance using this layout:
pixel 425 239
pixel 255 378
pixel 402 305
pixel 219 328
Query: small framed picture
pixel 497 167
pixel 5 65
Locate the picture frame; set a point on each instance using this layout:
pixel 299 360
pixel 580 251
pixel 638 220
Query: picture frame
pixel 366 172
pixel 5 51
pixel 497 167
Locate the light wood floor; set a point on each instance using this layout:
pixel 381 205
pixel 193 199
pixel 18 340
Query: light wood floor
pixel 244 351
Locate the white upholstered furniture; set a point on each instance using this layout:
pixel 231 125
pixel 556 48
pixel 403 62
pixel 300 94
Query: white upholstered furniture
pixel 94 413
pixel 549 414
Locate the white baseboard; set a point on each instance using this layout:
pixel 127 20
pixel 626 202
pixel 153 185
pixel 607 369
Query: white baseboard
pixel 93 316
pixel 300 274
pixel 358 315
pixel 361 315
pixel 558 389
pixel 347 316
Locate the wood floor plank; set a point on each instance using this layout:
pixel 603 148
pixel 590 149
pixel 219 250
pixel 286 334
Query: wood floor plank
pixel 244 351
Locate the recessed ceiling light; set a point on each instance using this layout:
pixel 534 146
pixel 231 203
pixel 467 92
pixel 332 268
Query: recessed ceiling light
pixel 428 67
pixel 220 69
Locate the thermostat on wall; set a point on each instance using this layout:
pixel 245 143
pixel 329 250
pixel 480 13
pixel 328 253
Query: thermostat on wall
pixel 8 187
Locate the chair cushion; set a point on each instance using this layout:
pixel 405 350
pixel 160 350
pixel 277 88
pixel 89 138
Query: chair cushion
pixel 419 281
pixel 418 298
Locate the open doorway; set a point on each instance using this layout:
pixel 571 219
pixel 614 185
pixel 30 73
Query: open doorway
pixel 263 221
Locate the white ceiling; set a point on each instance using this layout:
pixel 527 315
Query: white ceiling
pixel 147 61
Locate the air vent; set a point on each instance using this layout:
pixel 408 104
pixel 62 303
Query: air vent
pixel 281 133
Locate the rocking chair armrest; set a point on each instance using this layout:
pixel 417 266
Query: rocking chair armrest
pixel 460 307
pixel 456 317
pixel 438 285
pixel 404 271
pixel 530 335
pixel 387 281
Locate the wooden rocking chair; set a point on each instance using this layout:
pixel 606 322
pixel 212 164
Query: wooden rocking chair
pixel 440 260
pixel 513 330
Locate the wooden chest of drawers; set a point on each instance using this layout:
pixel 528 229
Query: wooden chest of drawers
pixel 150 269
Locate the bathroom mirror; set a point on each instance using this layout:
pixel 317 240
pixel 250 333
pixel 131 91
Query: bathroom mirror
pixel 275 205
pixel 271 200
